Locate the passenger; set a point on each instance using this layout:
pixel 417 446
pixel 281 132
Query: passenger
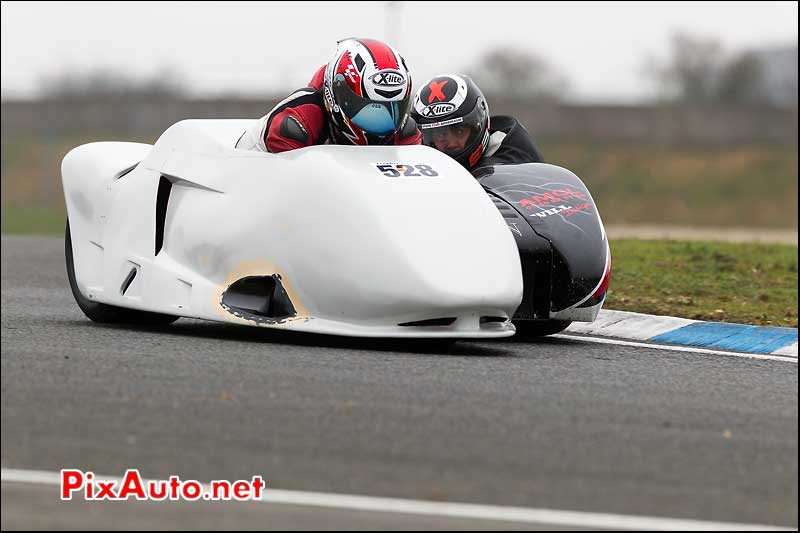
pixel 454 117
pixel 361 97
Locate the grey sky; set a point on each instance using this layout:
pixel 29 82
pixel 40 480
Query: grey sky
pixel 601 47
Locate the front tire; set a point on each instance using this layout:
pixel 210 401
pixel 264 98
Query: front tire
pixel 104 313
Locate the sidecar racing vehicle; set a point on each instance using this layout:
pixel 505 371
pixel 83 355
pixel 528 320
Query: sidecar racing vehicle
pixel 378 241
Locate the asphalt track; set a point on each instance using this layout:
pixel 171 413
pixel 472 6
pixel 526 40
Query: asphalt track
pixel 554 424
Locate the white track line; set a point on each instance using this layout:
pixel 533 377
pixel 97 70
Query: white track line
pixel 444 509
pixel 676 348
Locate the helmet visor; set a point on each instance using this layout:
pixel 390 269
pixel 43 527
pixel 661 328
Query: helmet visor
pixel 452 139
pixel 376 118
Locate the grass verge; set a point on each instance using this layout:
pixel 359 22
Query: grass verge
pixel 749 186
pixel 723 282
pixel 33 220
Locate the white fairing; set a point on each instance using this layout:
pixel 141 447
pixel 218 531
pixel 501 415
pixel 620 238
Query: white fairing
pixel 357 252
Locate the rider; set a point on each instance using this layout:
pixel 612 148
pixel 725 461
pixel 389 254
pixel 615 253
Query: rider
pixel 360 97
pixel 454 117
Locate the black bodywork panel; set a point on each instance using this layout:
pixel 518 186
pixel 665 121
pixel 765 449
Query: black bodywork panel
pixel 557 229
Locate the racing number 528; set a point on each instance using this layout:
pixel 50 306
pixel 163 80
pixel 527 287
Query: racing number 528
pixel 393 170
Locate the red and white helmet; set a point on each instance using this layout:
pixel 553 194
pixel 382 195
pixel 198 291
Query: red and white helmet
pixel 367 90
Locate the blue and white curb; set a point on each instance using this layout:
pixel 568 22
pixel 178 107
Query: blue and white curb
pixel 686 332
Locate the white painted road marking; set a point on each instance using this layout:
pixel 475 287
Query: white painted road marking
pixel 676 348
pixel 498 513
pixel 629 325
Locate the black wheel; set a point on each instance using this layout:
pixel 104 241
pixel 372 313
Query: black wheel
pixel 104 313
pixel 540 328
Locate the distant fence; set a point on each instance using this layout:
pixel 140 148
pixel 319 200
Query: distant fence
pixel 670 125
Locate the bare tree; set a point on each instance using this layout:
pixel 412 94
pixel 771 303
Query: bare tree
pixel 691 72
pixel 520 73
pixel 741 80
pixel 698 70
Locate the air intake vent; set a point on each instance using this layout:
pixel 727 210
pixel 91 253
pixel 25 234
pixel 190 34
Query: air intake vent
pixel 126 172
pixel 431 322
pixel 490 319
pixel 162 200
pixel 261 298
pixel 128 280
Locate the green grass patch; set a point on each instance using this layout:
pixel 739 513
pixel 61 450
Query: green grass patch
pixel 747 186
pixel 33 220
pixel 723 282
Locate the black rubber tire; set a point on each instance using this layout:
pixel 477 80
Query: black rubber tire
pixel 540 328
pixel 104 313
